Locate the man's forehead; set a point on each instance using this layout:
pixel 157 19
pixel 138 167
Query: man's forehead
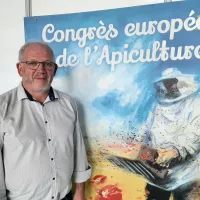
pixel 37 50
pixel 37 47
pixel 170 80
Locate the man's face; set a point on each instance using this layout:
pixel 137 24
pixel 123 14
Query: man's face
pixel 171 85
pixel 167 89
pixel 38 79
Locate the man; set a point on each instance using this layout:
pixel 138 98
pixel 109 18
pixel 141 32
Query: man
pixel 41 143
pixel 173 130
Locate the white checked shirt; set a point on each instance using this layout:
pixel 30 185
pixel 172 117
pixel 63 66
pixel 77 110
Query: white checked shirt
pixel 42 147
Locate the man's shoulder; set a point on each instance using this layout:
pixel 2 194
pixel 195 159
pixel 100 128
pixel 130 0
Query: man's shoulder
pixel 6 99
pixel 8 94
pixel 63 95
pixel 66 98
pixel 194 97
pixel 193 101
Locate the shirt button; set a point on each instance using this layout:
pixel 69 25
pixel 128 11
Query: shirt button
pixel 52 197
pixel 49 140
pixel 45 122
pixel 53 178
pixel 51 158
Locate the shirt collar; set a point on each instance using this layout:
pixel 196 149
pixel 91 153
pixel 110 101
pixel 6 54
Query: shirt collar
pixel 22 93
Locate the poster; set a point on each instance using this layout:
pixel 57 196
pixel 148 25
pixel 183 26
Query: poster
pixel 134 73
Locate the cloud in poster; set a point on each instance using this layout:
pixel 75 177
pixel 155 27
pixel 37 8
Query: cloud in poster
pixel 110 104
pixel 121 91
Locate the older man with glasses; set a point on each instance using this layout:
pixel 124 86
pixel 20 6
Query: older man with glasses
pixel 42 147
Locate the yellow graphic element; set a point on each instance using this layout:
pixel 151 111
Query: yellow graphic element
pixel 125 185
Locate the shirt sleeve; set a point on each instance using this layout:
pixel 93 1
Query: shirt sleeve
pixel 187 143
pixel 144 135
pixel 2 179
pixel 82 169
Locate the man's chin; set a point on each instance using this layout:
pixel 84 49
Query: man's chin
pixel 41 89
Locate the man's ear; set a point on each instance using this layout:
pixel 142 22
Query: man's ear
pixel 19 69
pixel 55 70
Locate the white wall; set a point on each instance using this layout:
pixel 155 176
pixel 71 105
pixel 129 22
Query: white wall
pixel 44 7
pixel 12 27
pixel 11 37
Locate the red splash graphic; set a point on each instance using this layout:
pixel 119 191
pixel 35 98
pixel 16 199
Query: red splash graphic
pixel 145 155
pixel 98 179
pixel 123 149
pixel 109 192
pixel 147 192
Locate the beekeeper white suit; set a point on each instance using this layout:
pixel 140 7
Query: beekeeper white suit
pixel 174 123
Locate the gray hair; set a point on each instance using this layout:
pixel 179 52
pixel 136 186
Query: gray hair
pixel 23 48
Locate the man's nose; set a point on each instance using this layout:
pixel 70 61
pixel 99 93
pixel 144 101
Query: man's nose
pixel 41 66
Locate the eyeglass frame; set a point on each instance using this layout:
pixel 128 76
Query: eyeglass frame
pixel 38 64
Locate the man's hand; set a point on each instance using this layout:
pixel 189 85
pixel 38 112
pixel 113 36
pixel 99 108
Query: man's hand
pixel 165 156
pixel 79 192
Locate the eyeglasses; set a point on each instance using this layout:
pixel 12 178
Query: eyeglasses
pixel 35 64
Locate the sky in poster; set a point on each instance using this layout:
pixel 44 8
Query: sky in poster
pixel 108 59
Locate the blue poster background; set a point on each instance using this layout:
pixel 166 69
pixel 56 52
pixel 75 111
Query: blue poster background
pixel 116 99
pixel 133 80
